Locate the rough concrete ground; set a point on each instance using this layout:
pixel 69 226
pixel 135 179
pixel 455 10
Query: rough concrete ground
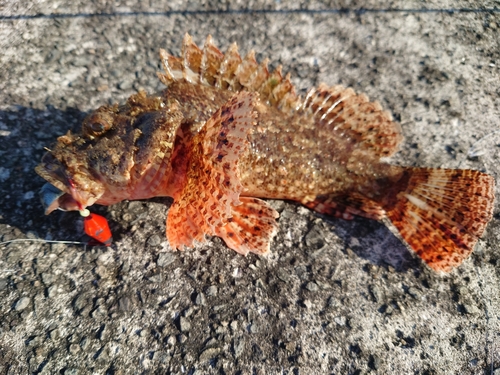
pixel 334 297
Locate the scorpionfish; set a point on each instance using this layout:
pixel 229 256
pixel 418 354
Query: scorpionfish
pixel 227 132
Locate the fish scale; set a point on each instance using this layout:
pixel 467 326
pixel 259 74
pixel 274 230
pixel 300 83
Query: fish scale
pixel 226 133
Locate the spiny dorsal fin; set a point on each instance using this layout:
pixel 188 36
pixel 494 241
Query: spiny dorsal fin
pixel 354 116
pixel 209 66
pixel 338 108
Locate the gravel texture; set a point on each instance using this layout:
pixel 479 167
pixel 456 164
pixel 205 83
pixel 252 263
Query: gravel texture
pixel 334 297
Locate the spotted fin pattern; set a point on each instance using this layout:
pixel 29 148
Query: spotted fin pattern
pixel 251 227
pixel 213 184
pixel 441 213
pixel 354 117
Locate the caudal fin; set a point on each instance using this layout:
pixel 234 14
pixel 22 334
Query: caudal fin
pixel 441 213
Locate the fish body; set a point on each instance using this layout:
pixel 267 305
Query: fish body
pixel 227 132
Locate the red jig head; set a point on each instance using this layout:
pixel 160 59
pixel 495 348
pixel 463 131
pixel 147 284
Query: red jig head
pixel 96 227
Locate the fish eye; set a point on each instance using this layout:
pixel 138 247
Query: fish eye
pixel 97 127
pixel 93 128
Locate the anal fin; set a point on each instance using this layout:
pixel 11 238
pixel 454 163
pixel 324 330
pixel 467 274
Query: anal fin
pixel 251 227
pixel 346 206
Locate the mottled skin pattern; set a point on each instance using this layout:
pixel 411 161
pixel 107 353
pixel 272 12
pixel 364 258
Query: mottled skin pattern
pixel 275 165
pixel 226 132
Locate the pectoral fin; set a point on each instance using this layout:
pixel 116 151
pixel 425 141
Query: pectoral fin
pixel 213 182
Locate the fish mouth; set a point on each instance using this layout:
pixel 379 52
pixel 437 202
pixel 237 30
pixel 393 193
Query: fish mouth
pixel 54 199
pixel 65 190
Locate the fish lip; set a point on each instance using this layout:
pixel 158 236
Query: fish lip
pixel 61 191
pixel 54 199
pixel 49 197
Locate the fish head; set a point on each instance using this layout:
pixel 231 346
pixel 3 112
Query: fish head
pixel 115 148
pixel 74 164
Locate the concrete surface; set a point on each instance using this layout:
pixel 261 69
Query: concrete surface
pixel 335 297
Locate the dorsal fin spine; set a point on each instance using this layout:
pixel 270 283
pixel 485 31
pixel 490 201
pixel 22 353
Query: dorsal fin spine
pixel 168 75
pixel 246 69
pixel 191 60
pixel 211 61
pixel 259 77
pixel 209 66
pixel 229 65
pixel 307 100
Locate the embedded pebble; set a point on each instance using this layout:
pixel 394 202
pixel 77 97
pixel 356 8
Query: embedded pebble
pixel 308 304
pixel 184 324
pixel 29 195
pixel 74 348
pixel 376 292
pixel 125 84
pixel 415 293
pixel 22 303
pixel 52 291
pixel 161 357
pixel 301 272
pixel 315 239
pixel 154 240
pixel 48 278
pixel 208 354
pixel 340 320
pixel 84 343
pixel 125 304
pixel 103 332
pixel 211 342
pixel 211 291
pixel 200 299
pixel 156 278
pixel 54 334
pixel 238 346
pixel 312 286
pixel 283 275
pixel 254 328
pixel 471 308
pixel 164 259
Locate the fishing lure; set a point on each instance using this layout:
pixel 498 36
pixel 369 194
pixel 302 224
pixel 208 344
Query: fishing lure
pixel 226 133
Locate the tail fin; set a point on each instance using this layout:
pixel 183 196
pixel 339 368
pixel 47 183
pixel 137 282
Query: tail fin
pixel 441 213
